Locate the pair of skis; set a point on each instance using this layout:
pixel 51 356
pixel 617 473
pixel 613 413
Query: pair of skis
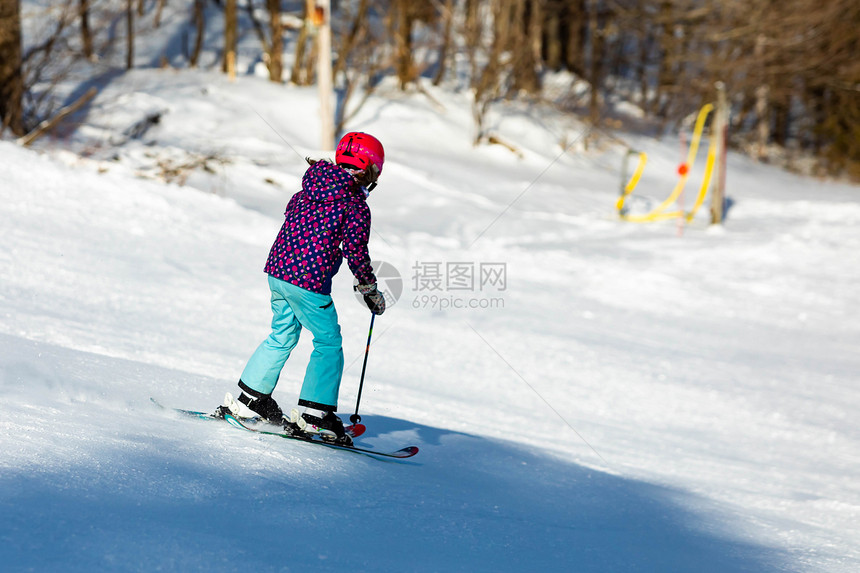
pixel 251 425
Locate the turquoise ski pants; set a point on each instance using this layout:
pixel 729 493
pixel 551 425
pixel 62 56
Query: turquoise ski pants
pixel 293 308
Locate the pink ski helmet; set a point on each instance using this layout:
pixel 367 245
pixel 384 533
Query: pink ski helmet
pixel 361 151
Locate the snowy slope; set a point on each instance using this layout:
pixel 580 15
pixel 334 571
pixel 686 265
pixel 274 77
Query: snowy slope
pixel 631 400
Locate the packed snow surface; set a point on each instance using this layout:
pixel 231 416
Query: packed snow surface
pixel 588 394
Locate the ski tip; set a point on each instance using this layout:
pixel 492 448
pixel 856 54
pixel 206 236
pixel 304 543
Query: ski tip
pixel 235 422
pixel 407 452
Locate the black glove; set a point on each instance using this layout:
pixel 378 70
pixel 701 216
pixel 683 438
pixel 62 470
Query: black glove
pixel 372 297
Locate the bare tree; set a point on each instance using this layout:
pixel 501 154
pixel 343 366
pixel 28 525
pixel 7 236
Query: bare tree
pixel 488 81
pixel 276 45
pixel 526 44
pixel 356 33
pixel 200 26
pixel 791 69
pixel 596 67
pixel 362 58
pixel 445 46
pixel 574 28
pixel 86 34
pixel 129 20
pixel 158 12
pixel 231 35
pixel 794 71
pixel 298 75
pixel 401 20
pixel 11 77
pixel 552 51
pixel 48 59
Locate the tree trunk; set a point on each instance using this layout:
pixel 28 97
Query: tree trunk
pixel 666 42
pixel 403 43
pixel 297 76
pixel 782 120
pixel 11 77
pixel 762 95
pixel 230 37
pixel 473 37
pixel 276 46
pixel 447 21
pixel 525 44
pixel 158 11
pixel 596 63
pixel 86 34
pixel 312 59
pixel 129 21
pixel 487 85
pixel 200 25
pixel 575 26
pixel 642 67
pixel 552 50
pixel 537 14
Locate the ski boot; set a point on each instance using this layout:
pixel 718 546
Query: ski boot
pixel 329 427
pixel 252 404
pixel 294 424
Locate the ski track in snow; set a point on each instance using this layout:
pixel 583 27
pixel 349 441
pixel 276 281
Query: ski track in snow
pixel 715 374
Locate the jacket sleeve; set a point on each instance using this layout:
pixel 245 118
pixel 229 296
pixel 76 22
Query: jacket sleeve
pixel 355 237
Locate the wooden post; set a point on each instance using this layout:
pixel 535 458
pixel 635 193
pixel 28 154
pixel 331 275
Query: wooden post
pixel 324 77
pixel 231 65
pixel 719 133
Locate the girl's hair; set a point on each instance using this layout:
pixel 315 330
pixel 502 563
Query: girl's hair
pixel 362 178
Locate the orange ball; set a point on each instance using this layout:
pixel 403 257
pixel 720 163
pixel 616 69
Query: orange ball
pixel 683 169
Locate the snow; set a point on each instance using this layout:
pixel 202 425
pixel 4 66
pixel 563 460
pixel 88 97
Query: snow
pixel 628 400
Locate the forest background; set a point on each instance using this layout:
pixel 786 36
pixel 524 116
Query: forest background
pixel 790 68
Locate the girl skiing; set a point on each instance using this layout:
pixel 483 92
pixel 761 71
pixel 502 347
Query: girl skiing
pixel 326 221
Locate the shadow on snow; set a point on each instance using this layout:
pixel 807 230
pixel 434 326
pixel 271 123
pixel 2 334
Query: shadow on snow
pixel 464 504
pixel 91 483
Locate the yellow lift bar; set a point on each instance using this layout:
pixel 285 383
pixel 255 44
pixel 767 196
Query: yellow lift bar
pixel 658 214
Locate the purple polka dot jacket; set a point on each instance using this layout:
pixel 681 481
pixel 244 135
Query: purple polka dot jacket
pixel 327 221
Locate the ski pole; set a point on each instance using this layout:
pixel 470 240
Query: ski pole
pixel 355 418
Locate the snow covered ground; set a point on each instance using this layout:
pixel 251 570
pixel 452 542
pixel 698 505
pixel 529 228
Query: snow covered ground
pixel 587 394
